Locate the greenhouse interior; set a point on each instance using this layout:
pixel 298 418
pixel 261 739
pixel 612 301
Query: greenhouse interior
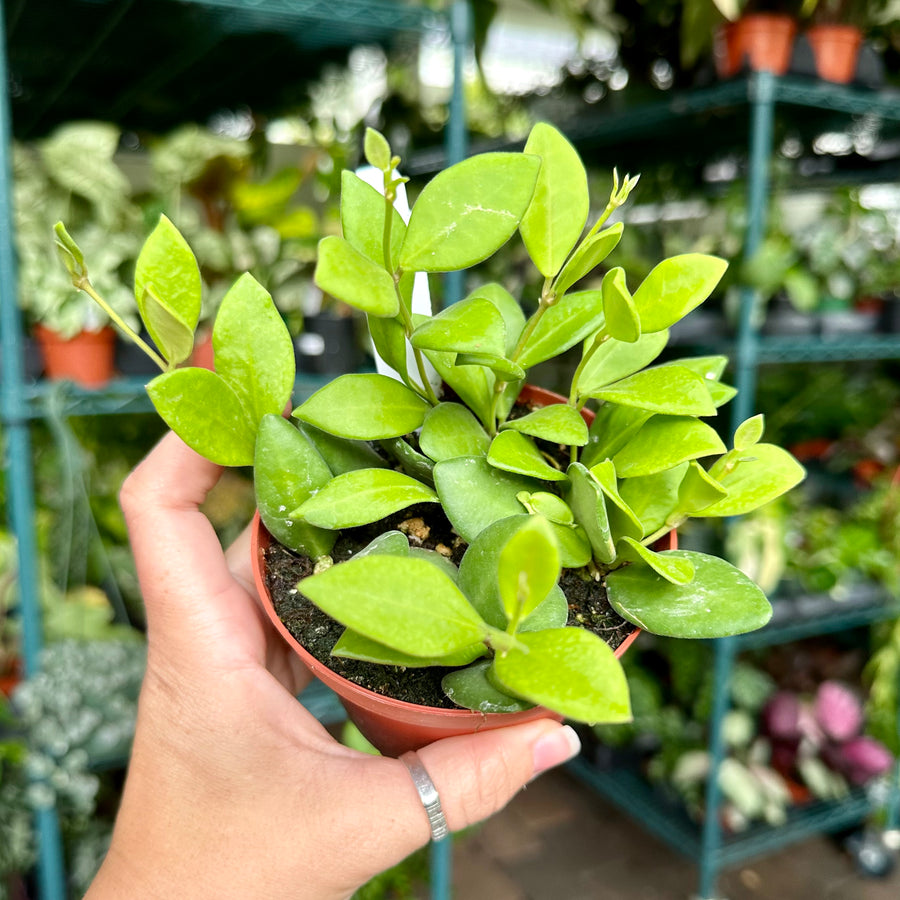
pixel 413 281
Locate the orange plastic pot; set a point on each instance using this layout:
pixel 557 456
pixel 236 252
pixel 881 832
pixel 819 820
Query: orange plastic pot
pixel 203 355
pixel 87 359
pixel 765 41
pixel 395 726
pixel 835 51
pixel 727 50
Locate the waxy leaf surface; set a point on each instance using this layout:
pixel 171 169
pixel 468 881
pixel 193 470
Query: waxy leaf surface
pixel 362 220
pixel 514 452
pixel 754 482
pixel 673 390
pixel 474 325
pixel 749 432
pixel 450 430
pixel 528 569
pixel 173 336
pixel 588 502
pixel 562 326
pixel 471 689
pixel 675 569
pixel 558 423
pixel 622 320
pixel 343 272
pixel 589 254
pixel 510 309
pixel 570 671
pixel 473 384
pixel 340 454
pixel 718 602
pixel 613 427
pixel 663 443
pixel 467 212
pixel 352 645
pixel 653 498
pixel 615 360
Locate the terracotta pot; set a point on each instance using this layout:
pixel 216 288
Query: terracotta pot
pixel 727 51
pixel 835 50
pixel 394 726
pixel 86 359
pixel 764 41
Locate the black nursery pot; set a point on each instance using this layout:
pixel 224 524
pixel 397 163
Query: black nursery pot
pixel 329 345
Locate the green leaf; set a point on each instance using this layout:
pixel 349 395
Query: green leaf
pixel 622 518
pixel 550 506
pixel 340 454
pixel 613 427
pixel 474 325
pixel 467 212
pixel 562 326
pixel 361 497
pixel 247 330
pixel 206 414
pixel 559 207
pixel 389 338
pixel 513 317
pixel 450 430
pixel 474 494
pixel 710 368
pixel 558 423
pixel 719 602
pixel 663 443
pixel 391 543
pixel 570 671
pixel 653 498
pixel 749 432
pixel 411 461
pixel 622 320
pixel 167 263
pixel 514 452
pixel 377 150
pixel 474 385
pixel 69 251
pixel 574 547
pixel 615 360
pixel 675 287
pixel 720 393
pixel 673 390
pixel 407 604
pixel 287 468
pixel 174 337
pixel 698 490
pixel 501 367
pixel 751 483
pixel 364 407
pixel 478 578
pixel 351 645
pixel 528 569
pixel 588 503
pixel 471 689
pixel 673 568
pixel 589 254
pixel 362 220
pixel 345 273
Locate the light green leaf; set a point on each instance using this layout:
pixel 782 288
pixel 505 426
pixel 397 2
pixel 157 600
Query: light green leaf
pixel 559 207
pixel 478 579
pixel 673 568
pixel 570 671
pixel 588 503
pixel 365 407
pixel 343 272
pixel 752 483
pixel 653 498
pixel 622 518
pixel 675 287
pixel 351 645
pixel 589 254
pixel 471 689
pixel 248 329
pixel 360 497
pixel 467 212
pixel 407 604
pixel 710 368
pixel 698 490
pixel 513 317
pixel 362 220
pixel 615 360
pixel 749 432
pixel 450 430
pixel 174 337
pixel 167 263
pixel 206 414
pixel 474 325
pixel 562 326
pixel 474 385
pixel 720 601
pixel 613 427
pixel 501 367
pixel 558 423
pixel 377 150
pixel 389 338
pixel 663 443
pixel 514 452
pixel 411 461
pixel 528 569
pixel 287 468
pixel 574 547
pixel 390 543
pixel 673 390
pixel 622 320
pixel 474 494
pixel 550 506
pixel 340 454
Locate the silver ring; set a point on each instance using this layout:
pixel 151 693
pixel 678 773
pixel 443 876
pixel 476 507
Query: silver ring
pixel 427 794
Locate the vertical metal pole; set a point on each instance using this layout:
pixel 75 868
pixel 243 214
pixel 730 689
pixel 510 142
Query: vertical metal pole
pixel 19 484
pixel 456 134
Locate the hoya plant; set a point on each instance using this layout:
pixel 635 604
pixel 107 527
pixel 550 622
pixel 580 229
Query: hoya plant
pixel 529 490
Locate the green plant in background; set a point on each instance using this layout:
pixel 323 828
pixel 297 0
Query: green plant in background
pixel 72 174
pixel 529 494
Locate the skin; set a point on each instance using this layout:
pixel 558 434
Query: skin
pixel 234 790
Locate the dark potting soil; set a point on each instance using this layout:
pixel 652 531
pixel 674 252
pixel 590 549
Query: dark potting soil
pixel 426 527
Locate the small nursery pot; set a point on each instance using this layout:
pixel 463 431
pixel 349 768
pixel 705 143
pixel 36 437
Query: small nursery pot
pixel 765 41
pixel 835 50
pixel 395 726
pixel 87 359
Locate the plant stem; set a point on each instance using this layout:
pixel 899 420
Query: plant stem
pixel 84 284
pixel 599 339
pixel 406 319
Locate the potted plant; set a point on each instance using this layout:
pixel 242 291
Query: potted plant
pixel 462 497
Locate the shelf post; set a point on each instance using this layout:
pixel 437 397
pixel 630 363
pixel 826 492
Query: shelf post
pixel 19 484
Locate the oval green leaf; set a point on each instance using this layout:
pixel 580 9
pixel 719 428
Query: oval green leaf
pixel 562 326
pixel 514 452
pixel 673 568
pixel 450 430
pixel 749 432
pixel 768 473
pixel 471 689
pixel 173 336
pixel 588 503
pixel 665 442
pixel 615 360
pixel 558 423
pixel 622 320
pixel 351 645
pixel 474 325
pixel 589 254
pixel 362 220
pixel 528 569
pixel 673 390
pixel 343 272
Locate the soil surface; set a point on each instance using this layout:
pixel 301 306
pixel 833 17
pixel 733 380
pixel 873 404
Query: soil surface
pixel 426 527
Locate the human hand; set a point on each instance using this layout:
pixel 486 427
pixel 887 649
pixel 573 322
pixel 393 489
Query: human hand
pixel 234 790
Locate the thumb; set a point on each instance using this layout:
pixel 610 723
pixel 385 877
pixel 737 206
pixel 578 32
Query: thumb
pixel 477 775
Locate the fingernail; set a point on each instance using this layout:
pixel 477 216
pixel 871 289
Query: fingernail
pixel 554 748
